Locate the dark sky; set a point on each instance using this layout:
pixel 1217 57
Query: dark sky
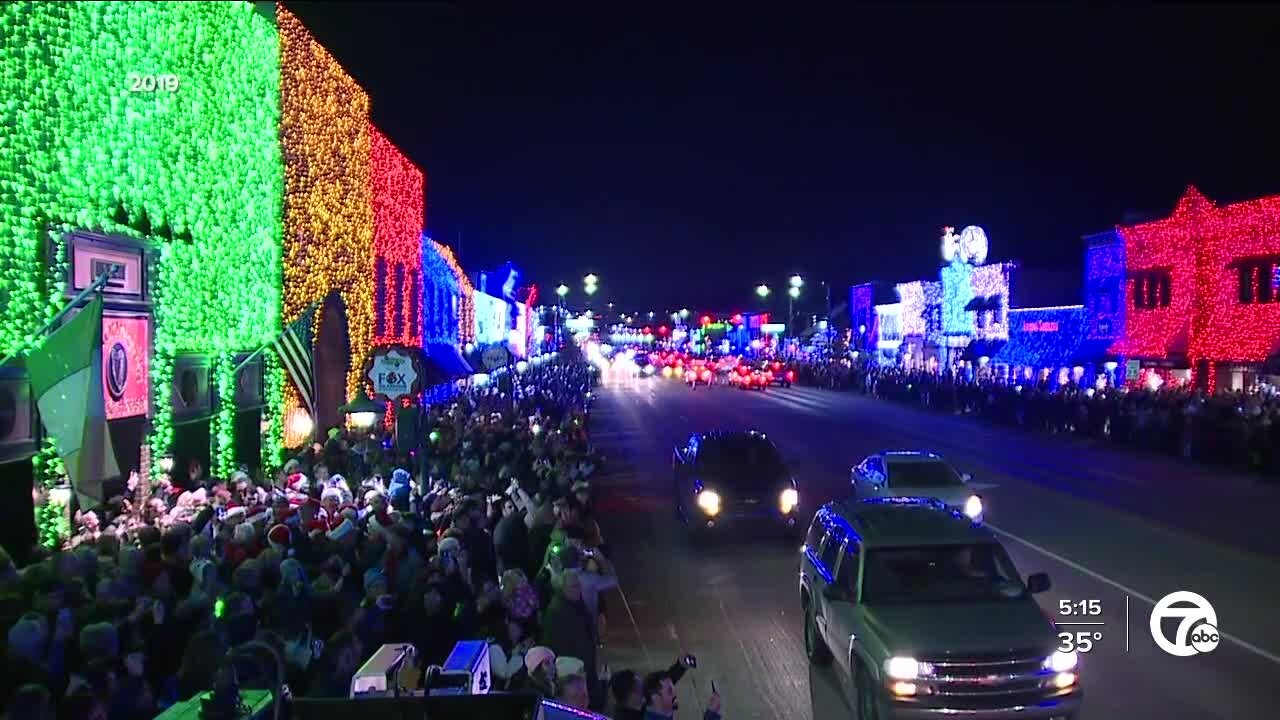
pixel 686 155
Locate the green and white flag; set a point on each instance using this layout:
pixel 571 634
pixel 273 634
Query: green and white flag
pixel 66 378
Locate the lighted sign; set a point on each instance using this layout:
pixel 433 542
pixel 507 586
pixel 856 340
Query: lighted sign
pixel 773 328
pixel 393 374
pixel 126 352
pixel 969 247
pixel 491 318
pixel 1042 326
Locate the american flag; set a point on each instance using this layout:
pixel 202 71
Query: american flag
pixel 294 348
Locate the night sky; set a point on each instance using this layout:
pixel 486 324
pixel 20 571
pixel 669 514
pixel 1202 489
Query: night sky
pixel 686 155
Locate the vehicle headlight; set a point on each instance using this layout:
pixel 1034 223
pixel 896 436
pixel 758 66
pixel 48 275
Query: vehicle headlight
pixel 709 501
pixel 973 507
pixel 1061 662
pixel 902 668
pixel 788 500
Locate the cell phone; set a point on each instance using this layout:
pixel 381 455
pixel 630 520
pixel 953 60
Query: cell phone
pixel 692 662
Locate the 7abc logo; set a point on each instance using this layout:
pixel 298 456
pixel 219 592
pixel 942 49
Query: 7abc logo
pixel 1197 624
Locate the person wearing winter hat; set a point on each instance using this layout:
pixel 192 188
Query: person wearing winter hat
pixel 540 671
pixel 281 538
pixel 399 489
pixel 330 501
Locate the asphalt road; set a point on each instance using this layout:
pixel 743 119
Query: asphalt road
pixel 1124 529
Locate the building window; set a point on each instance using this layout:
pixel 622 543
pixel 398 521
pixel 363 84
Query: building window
pixel 1257 280
pixel 380 296
pixel 415 313
pixel 1152 289
pixel 399 289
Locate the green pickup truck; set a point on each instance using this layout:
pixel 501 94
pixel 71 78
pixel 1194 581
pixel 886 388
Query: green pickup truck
pixel 927 614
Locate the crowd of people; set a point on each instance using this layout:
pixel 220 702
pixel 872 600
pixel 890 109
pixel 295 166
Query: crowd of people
pixel 487 531
pixel 1228 427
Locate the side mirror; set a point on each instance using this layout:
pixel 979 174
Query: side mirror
pixel 1038 583
pixel 966 477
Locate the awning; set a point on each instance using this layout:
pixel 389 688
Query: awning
pixel 983 348
pixel 444 363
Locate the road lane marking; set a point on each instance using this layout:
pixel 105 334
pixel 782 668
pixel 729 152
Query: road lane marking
pixel 636 627
pixel 1240 642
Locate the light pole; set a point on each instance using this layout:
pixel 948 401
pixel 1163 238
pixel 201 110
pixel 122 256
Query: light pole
pixel 561 291
pixel 589 286
pixel 793 292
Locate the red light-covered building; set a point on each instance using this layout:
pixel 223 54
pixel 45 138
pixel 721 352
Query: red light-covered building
pixel 1201 288
pixel 398 219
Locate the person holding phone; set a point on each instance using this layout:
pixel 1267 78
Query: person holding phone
pixel 662 703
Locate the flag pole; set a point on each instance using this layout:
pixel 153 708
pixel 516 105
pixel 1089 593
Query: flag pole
pixel 80 297
pixel 262 347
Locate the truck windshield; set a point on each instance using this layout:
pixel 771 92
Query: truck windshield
pixel 939 574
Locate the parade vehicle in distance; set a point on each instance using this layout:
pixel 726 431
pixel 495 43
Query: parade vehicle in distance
pixel 926 613
pixel 746 377
pixel 722 478
pixel 779 373
pixel 698 373
pixel 917 474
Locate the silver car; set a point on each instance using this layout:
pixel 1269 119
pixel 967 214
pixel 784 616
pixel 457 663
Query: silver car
pixel 915 474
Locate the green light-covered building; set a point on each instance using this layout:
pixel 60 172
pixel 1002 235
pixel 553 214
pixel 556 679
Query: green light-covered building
pixel 141 139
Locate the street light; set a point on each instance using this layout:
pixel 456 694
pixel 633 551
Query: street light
pixel 362 411
pixel 684 313
pixel 591 279
pixel 589 289
pixel 793 292
pixel 762 290
pixel 562 290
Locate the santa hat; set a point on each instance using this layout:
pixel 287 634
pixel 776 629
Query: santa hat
pixel 332 493
pixel 281 539
pixel 298 482
pixel 344 528
pixel 235 511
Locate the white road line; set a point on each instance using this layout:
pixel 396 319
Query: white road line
pixel 648 661
pixel 1260 652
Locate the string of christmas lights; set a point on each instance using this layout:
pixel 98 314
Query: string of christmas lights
pixel 1104 286
pixel 397 224
pixel 1042 337
pixel 466 299
pixel 328 208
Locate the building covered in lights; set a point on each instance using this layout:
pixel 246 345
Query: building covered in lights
pixel 1202 294
pixel 448 314
pixel 945 323
pixel 222 206
pixel 173 186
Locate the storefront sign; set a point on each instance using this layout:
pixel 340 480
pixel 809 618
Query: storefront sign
pixel 126 352
pixel 1132 369
pixel 393 373
pixel 1042 326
